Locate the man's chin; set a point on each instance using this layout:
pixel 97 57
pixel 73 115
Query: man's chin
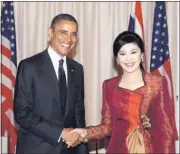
pixel 64 53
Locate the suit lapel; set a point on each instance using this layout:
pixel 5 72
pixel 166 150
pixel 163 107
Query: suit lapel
pixel 50 78
pixel 52 82
pixel 70 90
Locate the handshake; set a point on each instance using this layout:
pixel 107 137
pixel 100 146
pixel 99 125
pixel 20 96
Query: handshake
pixel 73 137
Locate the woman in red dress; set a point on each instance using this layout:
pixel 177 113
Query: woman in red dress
pixel 137 110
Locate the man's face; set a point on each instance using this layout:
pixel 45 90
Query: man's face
pixel 63 37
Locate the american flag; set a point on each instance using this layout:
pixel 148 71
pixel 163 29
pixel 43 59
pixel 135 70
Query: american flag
pixel 136 25
pixel 8 75
pixel 160 59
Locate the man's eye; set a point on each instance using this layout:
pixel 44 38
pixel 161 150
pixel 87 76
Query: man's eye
pixel 63 32
pixel 134 52
pixel 74 34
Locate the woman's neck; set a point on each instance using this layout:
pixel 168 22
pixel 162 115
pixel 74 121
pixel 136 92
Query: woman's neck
pixel 132 77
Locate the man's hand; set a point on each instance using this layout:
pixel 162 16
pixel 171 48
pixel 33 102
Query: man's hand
pixel 80 131
pixel 71 139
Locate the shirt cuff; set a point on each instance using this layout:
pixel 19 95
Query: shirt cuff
pixel 59 138
pixel 85 140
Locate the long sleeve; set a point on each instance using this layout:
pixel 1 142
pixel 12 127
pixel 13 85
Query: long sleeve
pixel 102 130
pixel 23 108
pixel 162 132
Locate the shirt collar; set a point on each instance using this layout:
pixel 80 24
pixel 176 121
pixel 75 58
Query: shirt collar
pixel 55 56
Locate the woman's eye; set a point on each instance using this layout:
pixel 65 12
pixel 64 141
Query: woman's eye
pixel 121 54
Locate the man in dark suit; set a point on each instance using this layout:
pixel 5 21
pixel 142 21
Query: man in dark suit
pixel 49 95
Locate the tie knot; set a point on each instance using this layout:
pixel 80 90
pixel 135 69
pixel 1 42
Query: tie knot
pixel 61 62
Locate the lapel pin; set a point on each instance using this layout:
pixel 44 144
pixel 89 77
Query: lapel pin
pixel 149 89
pixel 72 70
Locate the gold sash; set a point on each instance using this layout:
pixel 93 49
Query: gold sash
pixel 135 142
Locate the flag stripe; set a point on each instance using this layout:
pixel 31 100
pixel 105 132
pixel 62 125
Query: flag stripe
pixel 3 98
pixel 6 52
pixel 163 72
pixel 9 64
pixel 10 116
pixel 139 14
pixel 5 42
pixel 8 73
pixel 6 104
pixel 7 80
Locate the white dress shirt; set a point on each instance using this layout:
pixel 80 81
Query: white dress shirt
pixel 55 57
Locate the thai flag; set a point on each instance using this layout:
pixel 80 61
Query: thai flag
pixel 136 25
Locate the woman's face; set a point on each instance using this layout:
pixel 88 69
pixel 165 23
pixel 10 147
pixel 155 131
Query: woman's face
pixel 129 57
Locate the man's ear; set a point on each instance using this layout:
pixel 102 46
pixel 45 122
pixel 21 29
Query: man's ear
pixel 50 33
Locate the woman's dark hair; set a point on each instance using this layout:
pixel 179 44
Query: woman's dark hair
pixel 128 37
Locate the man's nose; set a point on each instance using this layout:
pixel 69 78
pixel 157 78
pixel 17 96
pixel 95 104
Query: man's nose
pixel 69 37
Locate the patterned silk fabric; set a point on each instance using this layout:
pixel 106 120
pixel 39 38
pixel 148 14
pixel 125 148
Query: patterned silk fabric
pixel 121 114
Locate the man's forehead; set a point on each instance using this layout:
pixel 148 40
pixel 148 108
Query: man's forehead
pixel 66 24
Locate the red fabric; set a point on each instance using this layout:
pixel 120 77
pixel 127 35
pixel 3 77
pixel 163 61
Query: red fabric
pixel 125 108
pixel 118 115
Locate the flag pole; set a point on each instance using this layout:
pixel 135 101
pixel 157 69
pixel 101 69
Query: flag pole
pixel 177 77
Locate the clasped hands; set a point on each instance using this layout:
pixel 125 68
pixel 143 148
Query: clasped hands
pixel 73 137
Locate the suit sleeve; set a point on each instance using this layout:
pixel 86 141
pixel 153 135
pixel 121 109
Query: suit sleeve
pixel 163 135
pixel 104 129
pixel 80 113
pixel 23 108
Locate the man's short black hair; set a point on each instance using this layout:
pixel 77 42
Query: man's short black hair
pixel 62 16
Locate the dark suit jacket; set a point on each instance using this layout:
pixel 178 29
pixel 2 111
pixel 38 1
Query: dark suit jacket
pixel 37 108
